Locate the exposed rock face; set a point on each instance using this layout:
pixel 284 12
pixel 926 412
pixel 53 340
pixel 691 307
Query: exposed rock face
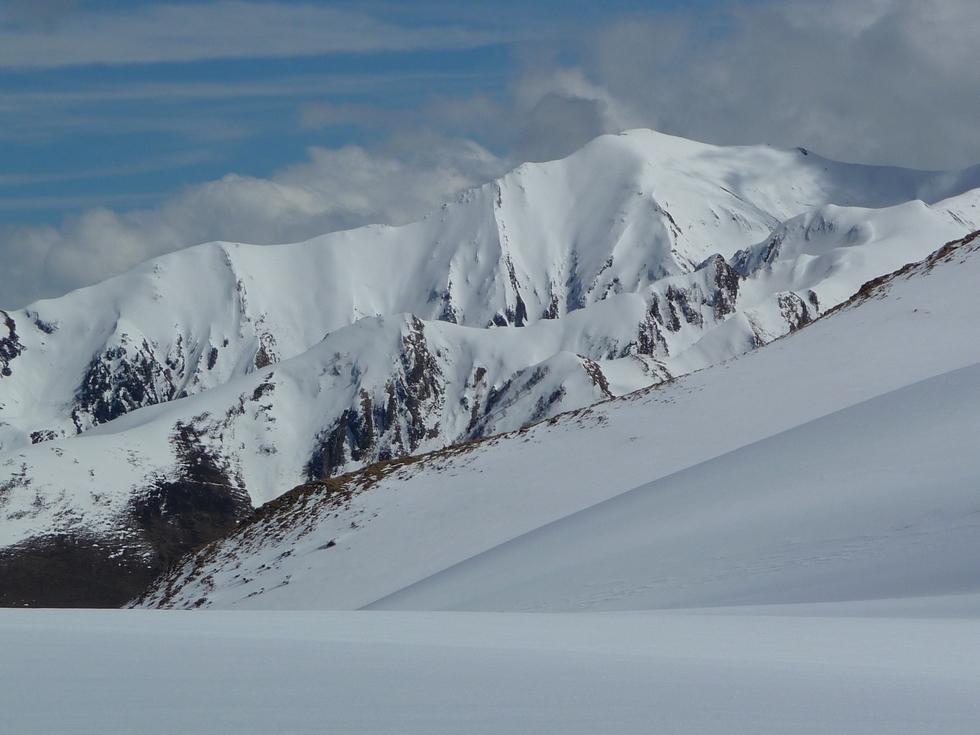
pixel 795 311
pixel 391 423
pixel 197 503
pixel 10 346
pixel 123 378
pixel 723 297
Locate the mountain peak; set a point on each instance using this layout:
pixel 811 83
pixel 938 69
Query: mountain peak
pixel 639 258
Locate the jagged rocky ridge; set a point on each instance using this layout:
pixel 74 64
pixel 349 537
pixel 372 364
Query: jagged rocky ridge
pixel 563 284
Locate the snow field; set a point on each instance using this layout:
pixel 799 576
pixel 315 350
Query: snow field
pixel 212 673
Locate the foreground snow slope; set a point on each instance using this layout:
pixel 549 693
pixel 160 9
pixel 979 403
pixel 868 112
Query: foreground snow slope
pixel 878 500
pixel 845 443
pixel 218 673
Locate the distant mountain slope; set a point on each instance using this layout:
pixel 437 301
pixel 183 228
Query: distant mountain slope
pixel 142 416
pixel 630 214
pixel 835 464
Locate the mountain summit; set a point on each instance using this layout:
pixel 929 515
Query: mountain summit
pixel 148 414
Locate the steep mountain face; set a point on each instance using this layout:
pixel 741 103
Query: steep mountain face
pixel 836 464
pixel 143 415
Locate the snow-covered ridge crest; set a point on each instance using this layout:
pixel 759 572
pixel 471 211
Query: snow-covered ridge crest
pixel 620 216
pixel 669 497
pixel 638 258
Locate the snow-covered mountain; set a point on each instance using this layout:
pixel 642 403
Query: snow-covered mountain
pixel 838 464
pixel 145 415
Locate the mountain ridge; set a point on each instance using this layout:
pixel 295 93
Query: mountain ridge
pixel 227 373
pixel 333 550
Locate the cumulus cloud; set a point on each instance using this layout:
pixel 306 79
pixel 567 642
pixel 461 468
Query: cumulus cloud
pixel 873 81
pixel 562 111
pixel 331 190
pixel 866 80
pixel 878 81
pixel 164 32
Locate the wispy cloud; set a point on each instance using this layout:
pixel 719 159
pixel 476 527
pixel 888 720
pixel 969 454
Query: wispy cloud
pixel 330 190
pixel 147 165
pixel 222 30
pixel 75 202
pixel 880 81
pixel 326 114
pixel 205 127
pixel 42 13
pixel 200 109
pixel 283 86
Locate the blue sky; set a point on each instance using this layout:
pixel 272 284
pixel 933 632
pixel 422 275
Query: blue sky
pixel 131 129
pixel 88 118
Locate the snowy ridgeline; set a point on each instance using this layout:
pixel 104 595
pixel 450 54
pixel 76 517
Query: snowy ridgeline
pixel 839 463
pixel 144 416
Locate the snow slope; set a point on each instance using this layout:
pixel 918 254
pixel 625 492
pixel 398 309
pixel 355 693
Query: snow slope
pixel 838 463
pixel 112 672
pixel 876 501
pixel 144 415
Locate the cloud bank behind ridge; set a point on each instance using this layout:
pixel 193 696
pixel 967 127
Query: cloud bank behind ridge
pixel 875 81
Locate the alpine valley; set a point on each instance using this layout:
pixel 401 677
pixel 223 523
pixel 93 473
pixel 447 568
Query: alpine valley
pixel 427 391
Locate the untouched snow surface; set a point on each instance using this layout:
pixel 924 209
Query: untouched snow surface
pixel 875 501
pixel 796 671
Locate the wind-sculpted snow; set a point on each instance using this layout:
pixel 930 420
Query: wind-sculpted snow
pixel 639 258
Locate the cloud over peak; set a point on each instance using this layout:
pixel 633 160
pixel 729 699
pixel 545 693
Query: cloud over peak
pixel 873 81
pixel 330 190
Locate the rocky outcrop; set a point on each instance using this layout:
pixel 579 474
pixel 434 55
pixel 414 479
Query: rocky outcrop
pixel 10 345
pixel 315 359
pixel 391 422
pixel 195 503
pixel 125 377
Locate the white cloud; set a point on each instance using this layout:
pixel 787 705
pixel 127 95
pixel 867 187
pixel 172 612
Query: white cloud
pixel 149 164
pixel 331 190
pixel 880 81
pixel 884 81
pixel 325 114
pixel 227 29
pixel 562 111
pixel 552 113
